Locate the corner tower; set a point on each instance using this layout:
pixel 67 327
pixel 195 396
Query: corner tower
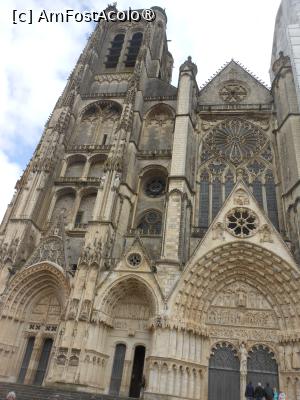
pixel 285 75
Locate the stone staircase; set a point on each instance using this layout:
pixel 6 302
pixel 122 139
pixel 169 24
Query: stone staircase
pixel 31 392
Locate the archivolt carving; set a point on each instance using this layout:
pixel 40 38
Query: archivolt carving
pixel 129 298
pixel 32 282
pixel 233 264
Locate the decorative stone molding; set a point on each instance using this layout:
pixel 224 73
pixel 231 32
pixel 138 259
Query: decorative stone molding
pixel 113 77
pixel 233 92
pixel 241 198
pixel 265 234
pixel 218 231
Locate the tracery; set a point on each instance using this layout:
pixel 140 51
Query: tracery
pixel 235 148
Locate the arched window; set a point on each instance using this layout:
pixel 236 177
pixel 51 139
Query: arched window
pixel 204 200
pixel 271 198
pixel 133 49
pixel 75 167
pixel 96 169
pixel 150 223
pixel 85 211
pixel 229 183
pixel 64 206
pixel 115 51
pixel 216 196
pixel 158 129
pixel 97 124
pixel 235 148
pixel 257 192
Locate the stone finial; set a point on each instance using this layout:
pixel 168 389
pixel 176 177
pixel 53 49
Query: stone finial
pixel 111 7
pixel 282 61
pixel 188 65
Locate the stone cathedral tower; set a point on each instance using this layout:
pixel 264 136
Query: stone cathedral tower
pixel 155 231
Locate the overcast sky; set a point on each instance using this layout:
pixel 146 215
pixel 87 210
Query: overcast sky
pixel 37 59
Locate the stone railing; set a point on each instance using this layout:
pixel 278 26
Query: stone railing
pixel 225 107
pixel 80 226
pixel 154 153
pixel 88 148
pixel 77 180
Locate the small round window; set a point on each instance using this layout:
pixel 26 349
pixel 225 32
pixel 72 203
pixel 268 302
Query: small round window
pixel 134 259
pixel 155 186
pixel 242 222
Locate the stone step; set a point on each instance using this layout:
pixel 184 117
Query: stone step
pixel 31 392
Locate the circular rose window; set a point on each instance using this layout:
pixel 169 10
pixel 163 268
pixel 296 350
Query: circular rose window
pixel 236 140
pixel 155 186
pixel 242 222
pixel 134 259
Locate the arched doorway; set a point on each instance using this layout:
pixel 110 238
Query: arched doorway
pixel 43 362
pixel 41 325
pixel 137 372
pixel 117 369
pixel 26 359
pixel 224 374
pixel 130 305
pixel 262 367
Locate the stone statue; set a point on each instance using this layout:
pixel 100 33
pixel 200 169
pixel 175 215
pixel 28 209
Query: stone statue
pixel 218 231
pixel 102 181
pixel 288 357
pixel 117 182
pixel 281 357
pixel 244 357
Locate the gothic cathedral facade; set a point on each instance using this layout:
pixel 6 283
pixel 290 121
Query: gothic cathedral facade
pixel 154 235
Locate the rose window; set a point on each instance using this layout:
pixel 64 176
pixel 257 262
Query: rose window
pixel 242 222
pixel 155 186
pixel 236 140
pixel 134 259
pixel 233 93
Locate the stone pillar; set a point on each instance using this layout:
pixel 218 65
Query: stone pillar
pixel 178 184
pixel 170 380
pixel 243 370
pixel 178 382
pixel 243 384
pixel 63 168
pixel 86 170
pixel 297 388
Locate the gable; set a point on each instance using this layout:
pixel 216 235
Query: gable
pixel 227 227
pixel 234 85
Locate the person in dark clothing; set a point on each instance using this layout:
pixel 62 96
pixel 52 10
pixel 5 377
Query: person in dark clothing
pixel 249 392
pixel 269 394
pixel 259 392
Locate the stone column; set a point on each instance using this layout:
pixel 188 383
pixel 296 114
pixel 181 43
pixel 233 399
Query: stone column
pixel 86 170
pixel 63 168
pixel 243 370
